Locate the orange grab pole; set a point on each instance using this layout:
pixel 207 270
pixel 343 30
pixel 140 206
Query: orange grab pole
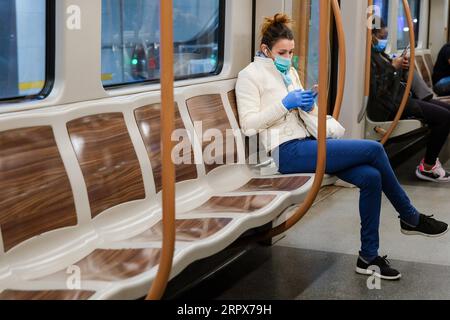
pixel 168 168
pixel 342 58
pixel 367 71
pixel 368 53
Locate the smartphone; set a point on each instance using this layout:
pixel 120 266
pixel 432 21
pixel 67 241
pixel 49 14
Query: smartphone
pixel 315 89
pixel 405 51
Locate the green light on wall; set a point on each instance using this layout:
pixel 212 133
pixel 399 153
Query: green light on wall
pixel 296 62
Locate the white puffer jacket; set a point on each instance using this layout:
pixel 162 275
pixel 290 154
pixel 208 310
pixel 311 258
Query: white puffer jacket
pixel 260 88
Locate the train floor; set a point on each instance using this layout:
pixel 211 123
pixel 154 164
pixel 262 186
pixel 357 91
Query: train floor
pixel 316 259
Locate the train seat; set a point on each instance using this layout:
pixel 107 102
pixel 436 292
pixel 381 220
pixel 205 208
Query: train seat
pixel 81 200
pixel 376 130
pixel 423 69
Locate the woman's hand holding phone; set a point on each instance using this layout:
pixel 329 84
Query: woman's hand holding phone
pixel 404 55
pixel 405 63
pixel 301 99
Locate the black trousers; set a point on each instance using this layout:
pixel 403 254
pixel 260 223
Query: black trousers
pixel 437 115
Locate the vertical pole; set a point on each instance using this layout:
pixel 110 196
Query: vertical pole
pixel 168 168
pixel 362 113
pixel 342 58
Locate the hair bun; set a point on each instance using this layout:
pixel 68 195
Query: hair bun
pixel 278 19
pixel 276 28
pixel 282 18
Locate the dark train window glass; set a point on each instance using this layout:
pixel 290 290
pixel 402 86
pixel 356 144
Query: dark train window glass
pixel 382 9
pixel 313 46
pixel 23 48
pixel 131 40
pixel 402 28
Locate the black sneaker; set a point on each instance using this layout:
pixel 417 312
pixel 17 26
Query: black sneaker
pixel 379 267
pixel 427 227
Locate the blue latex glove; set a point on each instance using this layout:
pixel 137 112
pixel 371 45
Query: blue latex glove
pixel 299 99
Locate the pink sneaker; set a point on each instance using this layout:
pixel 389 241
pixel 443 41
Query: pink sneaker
pixel 437 174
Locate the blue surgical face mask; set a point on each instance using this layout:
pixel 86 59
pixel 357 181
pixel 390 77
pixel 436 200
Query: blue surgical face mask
pixel 381 45
pixel 281 63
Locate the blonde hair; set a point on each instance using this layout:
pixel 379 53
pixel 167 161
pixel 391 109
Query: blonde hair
pixel 276 28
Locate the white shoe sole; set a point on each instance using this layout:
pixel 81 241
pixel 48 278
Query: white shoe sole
pixel 422 177
pixel 367 272
pixel 417 233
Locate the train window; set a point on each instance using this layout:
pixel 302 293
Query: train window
pixel 306 28
pixel 306 59
pixel 403 29
pixel 382 9
pixel 23 34
pixel 131 40
pixel 313 47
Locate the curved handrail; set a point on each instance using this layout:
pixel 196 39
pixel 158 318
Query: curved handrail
pixel 362 114
pixel 342 59
pixel 368 52
pixel 412 62
pixel 168 167
pixel 322 131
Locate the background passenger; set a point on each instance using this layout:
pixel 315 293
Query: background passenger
pixel 441 72
pixel 386 93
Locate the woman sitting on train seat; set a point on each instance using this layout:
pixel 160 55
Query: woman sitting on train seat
pixel 386 93
pixel 441 72
pixel 271 102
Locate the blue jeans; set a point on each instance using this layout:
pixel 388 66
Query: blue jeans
pixel 442 87
pixel 362 163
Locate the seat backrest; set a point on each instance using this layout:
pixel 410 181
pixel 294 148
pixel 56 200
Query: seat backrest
pixel 209 111
pixel 426 75
pixel 36 195
pixel 234 107
pixel 233 103
pixel 429 62
pixel 148 119
pixel 108 160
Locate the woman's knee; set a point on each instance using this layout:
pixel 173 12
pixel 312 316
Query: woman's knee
pixel 442 123
pixel 437 116
pixel 365 178
pixel 372 178
pixel 375 148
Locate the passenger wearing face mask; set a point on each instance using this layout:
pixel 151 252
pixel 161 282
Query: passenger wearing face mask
pixel 296 98
pixel 272 103
pixel 386 93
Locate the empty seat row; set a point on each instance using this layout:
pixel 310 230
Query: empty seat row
pixel 80 207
